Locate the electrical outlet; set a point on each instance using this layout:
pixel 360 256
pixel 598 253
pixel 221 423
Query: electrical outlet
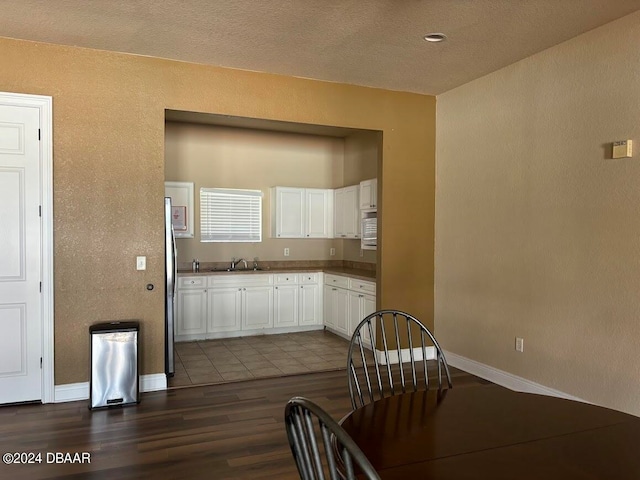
pixel 141 263
pixel 332 251
pixel 519 344
pixel 286 252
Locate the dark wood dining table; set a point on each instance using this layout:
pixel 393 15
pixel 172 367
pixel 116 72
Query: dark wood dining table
pixel 491 432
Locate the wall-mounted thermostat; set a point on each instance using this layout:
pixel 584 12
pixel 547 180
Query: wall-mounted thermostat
pixel 622 149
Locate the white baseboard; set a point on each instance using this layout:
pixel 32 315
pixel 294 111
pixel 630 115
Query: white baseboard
pixel 406 355
pixel 72 392
pixel 505 379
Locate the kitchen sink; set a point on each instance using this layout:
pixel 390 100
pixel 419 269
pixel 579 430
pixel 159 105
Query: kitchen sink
pixel 232 270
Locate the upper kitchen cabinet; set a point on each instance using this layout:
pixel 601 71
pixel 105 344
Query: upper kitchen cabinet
pixel 347 213
pixel 301 212
pixel 369 194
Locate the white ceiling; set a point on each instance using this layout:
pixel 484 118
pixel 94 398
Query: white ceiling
pixel 376 43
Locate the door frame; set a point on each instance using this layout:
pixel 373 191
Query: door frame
pixel 44 105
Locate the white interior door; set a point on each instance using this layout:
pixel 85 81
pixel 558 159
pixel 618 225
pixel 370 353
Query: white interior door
pixel 20 260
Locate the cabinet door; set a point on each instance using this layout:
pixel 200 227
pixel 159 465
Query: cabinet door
pixel 289 212
pixel 309 312
pixel 329 307
pixel 351 212
pixel 318 213
pixel 368 193
pixel 285 299
pixel 341 303
pixel 338 213
pixel 191 312
pixel 225 309
pixel 368 304
pixel 355 311
pixel 257 308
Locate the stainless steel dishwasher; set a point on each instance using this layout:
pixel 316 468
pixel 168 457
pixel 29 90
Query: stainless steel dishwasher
pixel 114 364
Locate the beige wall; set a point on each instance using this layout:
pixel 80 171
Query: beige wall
pixel 213 156
pixel 362 157
pixel 537 228
pixel 108 127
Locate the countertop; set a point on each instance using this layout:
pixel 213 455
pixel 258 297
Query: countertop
pixel 361 274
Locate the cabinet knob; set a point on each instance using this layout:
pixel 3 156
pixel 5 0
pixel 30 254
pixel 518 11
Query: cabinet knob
pixel 361 295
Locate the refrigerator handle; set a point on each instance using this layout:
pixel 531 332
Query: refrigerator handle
pixel 174 252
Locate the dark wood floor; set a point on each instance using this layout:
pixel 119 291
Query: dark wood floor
pixel 228 431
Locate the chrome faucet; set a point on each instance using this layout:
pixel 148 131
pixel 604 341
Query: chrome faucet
pixel 234 263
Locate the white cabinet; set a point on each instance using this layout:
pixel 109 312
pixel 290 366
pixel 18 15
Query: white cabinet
pixel 247 304
pixel 347 301
pixel 297 300
pixel 225 309
pixel 301 212
pixel 346 212
pixel 336 308
pixel 360 305
pixel 240 308
pixel 240 302
pixel 287 212
pixel 310 299
pixel 257 308
pixel 369 194
pixel 285 302
pixel 191 307
pixel 319 213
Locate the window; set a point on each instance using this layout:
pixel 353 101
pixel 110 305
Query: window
pixel 228 215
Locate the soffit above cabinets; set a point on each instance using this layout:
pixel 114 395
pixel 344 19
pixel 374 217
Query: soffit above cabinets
pixel 260 124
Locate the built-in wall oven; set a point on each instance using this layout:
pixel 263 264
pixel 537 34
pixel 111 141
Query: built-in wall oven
pixel 370 231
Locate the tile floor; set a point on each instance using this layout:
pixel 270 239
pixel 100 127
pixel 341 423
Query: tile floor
pixel 244 358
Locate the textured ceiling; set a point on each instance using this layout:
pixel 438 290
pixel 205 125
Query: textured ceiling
pixel 375 43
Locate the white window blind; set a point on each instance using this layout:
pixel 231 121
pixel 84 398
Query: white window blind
pixel 229 215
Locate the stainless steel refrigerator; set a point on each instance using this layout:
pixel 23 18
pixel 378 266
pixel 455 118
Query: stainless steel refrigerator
pixel 171 273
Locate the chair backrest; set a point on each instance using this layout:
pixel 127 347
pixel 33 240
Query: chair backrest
pixel 374 374
pixel 306 437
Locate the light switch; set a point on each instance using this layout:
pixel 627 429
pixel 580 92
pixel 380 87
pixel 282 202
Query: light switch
pixel 141 263
pixel 622 149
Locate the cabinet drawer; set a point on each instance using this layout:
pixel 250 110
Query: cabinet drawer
pixel 336 280
pixel 192 282
pixel 362 285
pixel 308 278
pixel 285 278
pixel 239 279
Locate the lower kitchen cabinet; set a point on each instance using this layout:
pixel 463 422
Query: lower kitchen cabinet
pixel 240 302
pixel 191 309
pixel 247 304
pixel 225 309
pixel 346 302
pixel 336 309
pixel 309 305
pixel 360 305
pixel 297 300
pixel 257 308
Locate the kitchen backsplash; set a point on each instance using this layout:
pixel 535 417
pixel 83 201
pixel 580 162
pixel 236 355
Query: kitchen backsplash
pixel 279 264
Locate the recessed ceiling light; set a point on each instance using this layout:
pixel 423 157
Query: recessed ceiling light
pixel 435 37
